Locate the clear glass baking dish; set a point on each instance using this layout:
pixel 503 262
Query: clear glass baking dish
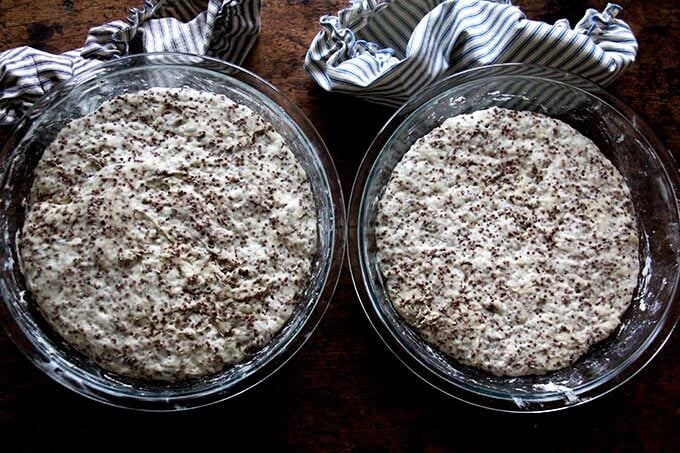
pixel 649 171
pixel 80 96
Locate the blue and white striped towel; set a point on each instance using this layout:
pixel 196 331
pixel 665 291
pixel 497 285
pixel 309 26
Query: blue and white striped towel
pixel 387 50
pixel 225 29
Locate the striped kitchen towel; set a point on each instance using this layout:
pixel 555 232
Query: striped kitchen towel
pixel 387 50
pixel 224 29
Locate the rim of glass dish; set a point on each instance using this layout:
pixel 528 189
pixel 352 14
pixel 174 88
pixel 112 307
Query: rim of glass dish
pixel 553 401
pixel 214 393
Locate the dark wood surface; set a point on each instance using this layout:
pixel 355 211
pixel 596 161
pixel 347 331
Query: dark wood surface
pixel 344 390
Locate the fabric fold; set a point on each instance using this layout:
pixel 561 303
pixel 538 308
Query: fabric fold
pixel 387 50
pixel 224 29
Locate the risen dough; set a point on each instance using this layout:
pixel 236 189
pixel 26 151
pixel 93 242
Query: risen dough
pixel 508 240
pixel 169 233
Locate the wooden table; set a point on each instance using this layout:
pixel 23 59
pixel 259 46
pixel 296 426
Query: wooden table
pixel 344 390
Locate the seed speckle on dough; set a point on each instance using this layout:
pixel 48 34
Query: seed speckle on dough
pixel 508 240
pixel 169 233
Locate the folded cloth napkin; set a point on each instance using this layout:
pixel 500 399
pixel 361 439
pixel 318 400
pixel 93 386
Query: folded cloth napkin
pixel 224 29
pixel 387 50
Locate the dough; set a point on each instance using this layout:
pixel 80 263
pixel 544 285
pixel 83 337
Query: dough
pixel 169 234
pixel 508 240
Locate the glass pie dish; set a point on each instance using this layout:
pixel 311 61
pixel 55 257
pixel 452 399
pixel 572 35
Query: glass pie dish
pixel 82 95
pixel 647 168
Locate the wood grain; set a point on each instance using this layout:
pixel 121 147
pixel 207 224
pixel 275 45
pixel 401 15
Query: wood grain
pixel 344 391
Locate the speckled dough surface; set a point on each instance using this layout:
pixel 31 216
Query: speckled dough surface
pixel 170 233
pixel 508 240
